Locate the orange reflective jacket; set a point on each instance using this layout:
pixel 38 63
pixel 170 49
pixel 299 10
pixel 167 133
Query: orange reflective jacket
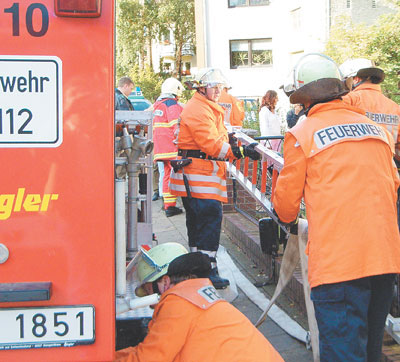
pixel 165 122
pixel 342 164
pixel 234 109
pixel 192 323
pixel 378 108
pixel 202 129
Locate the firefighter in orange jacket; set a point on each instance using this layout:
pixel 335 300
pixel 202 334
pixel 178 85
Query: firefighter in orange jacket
pixel 367 95
pixel 234 109
pixel 193 323
pixel 203 139
pixel 165 122
pixel 341 163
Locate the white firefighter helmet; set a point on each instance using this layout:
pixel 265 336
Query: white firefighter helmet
pixel 362 68
pixel 209 78
pixel 172 86
pixel 153 264
pixel 316 78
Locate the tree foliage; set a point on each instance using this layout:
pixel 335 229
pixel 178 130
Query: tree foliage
pixel 130 37
pixel 178 16
pixel 140 23
pixel 386 48
pixel 379 42
pixel 149 81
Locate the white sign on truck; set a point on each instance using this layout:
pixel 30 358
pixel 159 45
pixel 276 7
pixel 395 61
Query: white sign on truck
pixel 30 101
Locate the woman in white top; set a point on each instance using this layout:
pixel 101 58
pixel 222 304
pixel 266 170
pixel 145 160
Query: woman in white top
pixel 270 124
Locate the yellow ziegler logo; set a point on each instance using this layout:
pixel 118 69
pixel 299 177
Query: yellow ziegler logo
pixel 29 202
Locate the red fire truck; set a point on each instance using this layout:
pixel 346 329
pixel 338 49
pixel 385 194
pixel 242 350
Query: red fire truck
pixel 57 278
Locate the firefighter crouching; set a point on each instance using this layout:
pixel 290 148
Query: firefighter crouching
pixel 203 141
pixel 165 122
pixel 192 322
pixel 342 163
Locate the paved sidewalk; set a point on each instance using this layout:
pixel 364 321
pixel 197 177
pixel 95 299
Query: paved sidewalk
pixel 174 229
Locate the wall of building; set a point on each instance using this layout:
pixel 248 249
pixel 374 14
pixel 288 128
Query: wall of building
pixel 294 26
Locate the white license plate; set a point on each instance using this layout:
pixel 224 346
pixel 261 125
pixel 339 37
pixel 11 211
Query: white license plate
pixel 44 327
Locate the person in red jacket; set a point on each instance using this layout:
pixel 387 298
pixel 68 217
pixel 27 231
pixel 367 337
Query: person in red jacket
pixel 341 162
pixel 203 140
pixel 193 323
pixel 165 122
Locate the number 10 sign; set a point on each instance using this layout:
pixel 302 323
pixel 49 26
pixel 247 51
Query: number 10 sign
pixel 30 101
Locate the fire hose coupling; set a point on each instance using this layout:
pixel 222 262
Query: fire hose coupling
pixel 125 140
pixel 246 151
pixel 142 144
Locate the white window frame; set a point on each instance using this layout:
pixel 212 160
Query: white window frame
pixel 248 4
pixel 249 52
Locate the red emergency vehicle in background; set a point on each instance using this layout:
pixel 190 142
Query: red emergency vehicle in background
pixel 57 276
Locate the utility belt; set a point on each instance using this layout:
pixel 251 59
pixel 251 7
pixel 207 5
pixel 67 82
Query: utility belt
pixel 196 154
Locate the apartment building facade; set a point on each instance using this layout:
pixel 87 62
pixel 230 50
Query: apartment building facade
pixel 256 42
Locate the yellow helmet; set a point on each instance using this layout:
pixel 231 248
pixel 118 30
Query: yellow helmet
pixel 153 264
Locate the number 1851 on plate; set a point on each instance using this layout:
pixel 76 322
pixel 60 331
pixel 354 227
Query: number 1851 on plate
pixel 44 327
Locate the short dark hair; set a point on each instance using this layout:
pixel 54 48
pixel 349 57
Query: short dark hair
pixel 124 80
pixel 189 266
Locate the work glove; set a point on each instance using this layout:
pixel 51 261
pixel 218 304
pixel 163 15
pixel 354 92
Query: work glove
pixel 249 151
pixel 232 139
pixel 292 226
pixel 246 151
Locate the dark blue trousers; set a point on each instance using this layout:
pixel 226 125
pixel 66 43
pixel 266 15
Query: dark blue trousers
pixel 203 222
pixel 351 318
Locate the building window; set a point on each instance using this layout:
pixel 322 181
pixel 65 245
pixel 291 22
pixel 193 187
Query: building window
pixel 348 4
pixel 250 53
pixel 235 3
pixel 374 3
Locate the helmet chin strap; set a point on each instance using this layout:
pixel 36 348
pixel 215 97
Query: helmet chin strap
pixel 203 92
pixel 354 86
pixel 306 110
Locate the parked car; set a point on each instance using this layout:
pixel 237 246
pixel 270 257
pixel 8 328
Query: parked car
pixel 138 101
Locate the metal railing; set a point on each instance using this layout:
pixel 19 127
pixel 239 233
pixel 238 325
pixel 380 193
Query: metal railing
pixel 265 181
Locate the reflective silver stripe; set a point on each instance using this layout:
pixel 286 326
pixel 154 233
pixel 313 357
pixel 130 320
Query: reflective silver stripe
pixel 201 178
pixel 199 190
pixel 215 168
pixel 224 150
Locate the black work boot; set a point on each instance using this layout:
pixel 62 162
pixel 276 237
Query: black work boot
pixel 216 280
pixel 173 210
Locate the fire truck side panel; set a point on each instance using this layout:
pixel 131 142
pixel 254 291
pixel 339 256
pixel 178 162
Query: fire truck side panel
pixel 57 191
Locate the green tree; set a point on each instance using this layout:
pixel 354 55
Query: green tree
pixel 386 49
pixel 379 42
pixel 348 40
pixel 130 38
pixel 149 82
pixel 137 25
pixel 178 16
